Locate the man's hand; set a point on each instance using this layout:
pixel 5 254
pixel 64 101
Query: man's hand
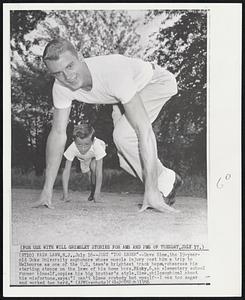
pixel 54 151
pixel 44 200
pixel 155 200
pixel 147 150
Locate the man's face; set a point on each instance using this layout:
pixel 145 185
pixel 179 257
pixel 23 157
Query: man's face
pixel 68 70
pixel 83 145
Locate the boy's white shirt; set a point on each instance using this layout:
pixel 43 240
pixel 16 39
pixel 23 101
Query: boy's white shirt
pixel 97 151
pixel 116 78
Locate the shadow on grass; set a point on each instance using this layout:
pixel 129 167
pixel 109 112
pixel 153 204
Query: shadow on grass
pixel 114 180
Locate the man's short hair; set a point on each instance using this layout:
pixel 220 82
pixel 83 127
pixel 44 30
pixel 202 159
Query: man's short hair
pixel 83 131
pixel 56 47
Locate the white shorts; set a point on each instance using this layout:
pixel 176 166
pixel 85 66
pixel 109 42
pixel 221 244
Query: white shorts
pixel 85 165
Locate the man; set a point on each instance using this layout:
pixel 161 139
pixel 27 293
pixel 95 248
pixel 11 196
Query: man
pixel 140 87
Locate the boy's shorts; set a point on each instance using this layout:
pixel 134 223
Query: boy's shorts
pixel 84 165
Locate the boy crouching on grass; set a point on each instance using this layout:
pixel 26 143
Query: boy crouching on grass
pixel 90 151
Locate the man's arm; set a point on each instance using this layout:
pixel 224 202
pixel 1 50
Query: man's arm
pixel 65 178
pixel 98 172
pixel 138 118
pixel 54 151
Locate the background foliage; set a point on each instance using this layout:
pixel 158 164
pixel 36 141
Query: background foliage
pixel 179 44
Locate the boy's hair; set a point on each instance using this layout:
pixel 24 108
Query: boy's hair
pixel 56 47
pixel 83 131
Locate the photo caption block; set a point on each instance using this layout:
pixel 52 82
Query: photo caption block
pixel 48 265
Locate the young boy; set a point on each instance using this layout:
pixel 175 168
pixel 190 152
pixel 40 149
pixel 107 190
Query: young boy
pixel 90 151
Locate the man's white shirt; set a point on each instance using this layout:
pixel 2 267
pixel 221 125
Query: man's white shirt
pixel 115 78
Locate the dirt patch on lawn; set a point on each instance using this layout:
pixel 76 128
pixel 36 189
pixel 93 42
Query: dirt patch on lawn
pixel 113 220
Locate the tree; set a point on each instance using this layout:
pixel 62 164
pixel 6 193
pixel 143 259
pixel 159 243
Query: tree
pixel 22 22
pixel 19 151
pixel 92 33
pixel 31 108
pixel 181 127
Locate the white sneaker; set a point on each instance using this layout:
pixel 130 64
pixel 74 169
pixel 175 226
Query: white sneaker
pixel 166 182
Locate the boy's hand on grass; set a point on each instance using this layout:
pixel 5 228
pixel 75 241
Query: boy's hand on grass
pixel 97 197
pixel 66 198
pixel 45 199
